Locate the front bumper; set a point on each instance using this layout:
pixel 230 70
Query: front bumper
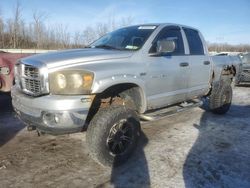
pixel 53 114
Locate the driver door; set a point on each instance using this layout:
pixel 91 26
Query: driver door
pixel 166 77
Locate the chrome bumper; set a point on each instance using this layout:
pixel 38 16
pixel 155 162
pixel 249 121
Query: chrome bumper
pixel 54 114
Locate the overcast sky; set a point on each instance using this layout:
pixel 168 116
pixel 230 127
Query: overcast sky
pixel 219 20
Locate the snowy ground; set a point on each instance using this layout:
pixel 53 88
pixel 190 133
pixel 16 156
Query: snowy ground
pixel 189 149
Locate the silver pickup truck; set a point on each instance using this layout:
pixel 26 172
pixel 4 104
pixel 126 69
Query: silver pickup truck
pixel 136 73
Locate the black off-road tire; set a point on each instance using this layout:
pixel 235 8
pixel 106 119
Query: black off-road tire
pixel 221 98
pixel 99 131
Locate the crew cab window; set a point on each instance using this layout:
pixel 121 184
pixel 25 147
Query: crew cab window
pixel 173 33
pixel 194 42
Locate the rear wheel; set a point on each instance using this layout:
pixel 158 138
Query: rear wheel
pixel 113 134
pixel 220 98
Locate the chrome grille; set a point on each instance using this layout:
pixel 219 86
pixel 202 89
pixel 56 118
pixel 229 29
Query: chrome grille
pixel 33 86
pixel 32 78
pixel 32 81
pixel 31 71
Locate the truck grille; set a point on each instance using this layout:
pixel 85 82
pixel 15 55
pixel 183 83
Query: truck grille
pixel 31 71
pixel 31 81
pixel 33 86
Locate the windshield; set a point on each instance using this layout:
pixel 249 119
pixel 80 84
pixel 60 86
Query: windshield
pixel 129 38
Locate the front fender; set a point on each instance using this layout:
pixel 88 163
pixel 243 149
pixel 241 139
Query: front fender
pixel 103 84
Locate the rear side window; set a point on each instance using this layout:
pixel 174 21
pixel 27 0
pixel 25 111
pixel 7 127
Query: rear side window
pixel 194 42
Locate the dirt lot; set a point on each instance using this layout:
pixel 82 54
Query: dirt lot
pixel 189 149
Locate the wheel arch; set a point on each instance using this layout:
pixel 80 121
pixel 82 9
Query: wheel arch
pixel 132 90
pixel 137 94
pixel 225 73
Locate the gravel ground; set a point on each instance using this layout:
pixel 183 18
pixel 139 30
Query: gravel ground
pixel 190 149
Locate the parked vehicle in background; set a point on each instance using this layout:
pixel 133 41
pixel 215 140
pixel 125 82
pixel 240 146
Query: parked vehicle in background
pixel 243 76
pixel 138 72
pixel 7 63
pixel 8 59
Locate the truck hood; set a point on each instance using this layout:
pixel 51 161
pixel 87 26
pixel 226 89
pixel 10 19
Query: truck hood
pixel 76 56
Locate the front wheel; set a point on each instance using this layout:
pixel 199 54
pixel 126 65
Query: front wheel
pixel 112 135
pixel 221 98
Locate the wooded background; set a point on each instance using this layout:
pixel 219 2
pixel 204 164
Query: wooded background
pixel 37 34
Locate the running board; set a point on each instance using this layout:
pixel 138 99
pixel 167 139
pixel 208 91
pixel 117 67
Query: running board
pixel 163 112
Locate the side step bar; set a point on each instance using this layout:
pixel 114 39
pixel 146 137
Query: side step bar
pixel 163 112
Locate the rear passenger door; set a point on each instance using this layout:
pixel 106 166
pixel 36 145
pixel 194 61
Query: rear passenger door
pixel 199 64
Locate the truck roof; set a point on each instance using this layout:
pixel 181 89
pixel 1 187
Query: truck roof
pixel 166 24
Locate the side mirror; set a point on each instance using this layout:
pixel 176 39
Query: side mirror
pixel 164 46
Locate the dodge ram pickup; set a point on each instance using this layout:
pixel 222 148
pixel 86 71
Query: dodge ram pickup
pixel 136 73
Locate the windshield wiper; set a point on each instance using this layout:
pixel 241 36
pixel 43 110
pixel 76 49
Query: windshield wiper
pixel 106 47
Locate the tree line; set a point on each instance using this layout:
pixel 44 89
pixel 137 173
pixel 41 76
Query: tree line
pixel 16 33
pixel 224 47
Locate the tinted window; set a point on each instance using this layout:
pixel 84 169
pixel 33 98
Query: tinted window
pixel 173 34
pixel 194 42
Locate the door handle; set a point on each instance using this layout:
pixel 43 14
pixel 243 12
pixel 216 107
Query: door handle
pixel 206 62
pixel 184 64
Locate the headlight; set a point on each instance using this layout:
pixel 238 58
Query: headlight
pixel 61 81
pixel 70 82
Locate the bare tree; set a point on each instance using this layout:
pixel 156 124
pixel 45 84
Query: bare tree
pixel 38 28
pixel 89 35
pixel 125 21
pixel 62 36
pixel 9 31
pixel 101 29
pixel 16 24
pixel 1 31
pixel 92 33
pixel 78 39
